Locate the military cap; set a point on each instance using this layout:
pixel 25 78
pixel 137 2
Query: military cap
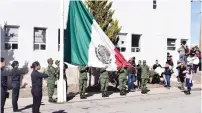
pixel 144 61
pixel 50 59
pixel 57 61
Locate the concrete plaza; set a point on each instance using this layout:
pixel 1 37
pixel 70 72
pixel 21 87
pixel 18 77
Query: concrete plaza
pixel 158 100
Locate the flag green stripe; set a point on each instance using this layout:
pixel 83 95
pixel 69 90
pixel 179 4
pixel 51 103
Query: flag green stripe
pixel 78 34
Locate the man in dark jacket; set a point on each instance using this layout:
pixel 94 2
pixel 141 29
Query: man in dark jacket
pixel 4 75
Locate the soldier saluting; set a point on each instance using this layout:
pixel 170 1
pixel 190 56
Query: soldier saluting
pixel 144 77
pixel 52 72
pixel 83 81
pixel 57 62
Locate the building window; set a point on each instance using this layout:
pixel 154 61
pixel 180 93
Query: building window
pixel 184 41
pixel 154 4
pixel 171 44
pixel 39 38
pixel 135 43
pixel 11 37
pixel 59 38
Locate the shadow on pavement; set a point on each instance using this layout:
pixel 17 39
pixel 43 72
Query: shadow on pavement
pixel 28 107
pixel 70 96
pixel 60 111
pixel 96 90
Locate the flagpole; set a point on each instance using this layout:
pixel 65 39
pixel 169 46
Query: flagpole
pixel 200 43
pixel 61 93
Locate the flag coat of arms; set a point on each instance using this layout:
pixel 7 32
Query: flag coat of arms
pixel 86 43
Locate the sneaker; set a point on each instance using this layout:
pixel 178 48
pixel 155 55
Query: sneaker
pixel 16 110
pixel 132 90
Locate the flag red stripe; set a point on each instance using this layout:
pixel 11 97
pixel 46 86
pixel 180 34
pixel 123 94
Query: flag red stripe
pixel 120 60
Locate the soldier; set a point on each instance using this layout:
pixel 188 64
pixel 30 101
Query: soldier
pixel 83 81
pixel 104 80
pixel 122 80
pixel 144 77
pixel 52 72
pixel 57 62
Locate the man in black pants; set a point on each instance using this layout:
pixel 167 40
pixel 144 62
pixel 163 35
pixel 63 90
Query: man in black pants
pixel 4 93
pixel 139 74
pixel 16 75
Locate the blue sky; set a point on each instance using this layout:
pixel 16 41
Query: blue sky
pixel 195 22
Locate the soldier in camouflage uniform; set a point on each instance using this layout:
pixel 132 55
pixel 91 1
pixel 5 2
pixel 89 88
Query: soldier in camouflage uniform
pixel 122 80
pixel 57 62
pixel 144 76
pixel 104 80
pixel 83 81
pixel 52 72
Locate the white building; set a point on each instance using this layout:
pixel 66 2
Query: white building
pixel 148 33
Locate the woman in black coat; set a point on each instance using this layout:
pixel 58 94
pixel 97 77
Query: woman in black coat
pixel 16 76
pixel 181 67
pixel 36 91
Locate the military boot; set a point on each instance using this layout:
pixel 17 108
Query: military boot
pixel 106 94
pixel 81 96
pixel 121 92
pixel 103 94
pixel 51 99
pixel 124 92
pixel 143 91
pixel 84 96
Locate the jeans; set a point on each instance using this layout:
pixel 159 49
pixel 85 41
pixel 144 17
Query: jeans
pixel 195 68
pixel 131 80
pixel 182 58
pixel 185 60
pixel 168 80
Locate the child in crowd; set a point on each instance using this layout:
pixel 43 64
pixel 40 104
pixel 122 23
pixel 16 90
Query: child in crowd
pixel 188 79
pixel 181 76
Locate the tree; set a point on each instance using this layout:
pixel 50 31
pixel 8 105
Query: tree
pixel 102 12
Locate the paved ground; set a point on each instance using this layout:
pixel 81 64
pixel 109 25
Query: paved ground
pixel 158 100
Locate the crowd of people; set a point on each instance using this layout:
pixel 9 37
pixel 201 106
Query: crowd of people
pixel 189 61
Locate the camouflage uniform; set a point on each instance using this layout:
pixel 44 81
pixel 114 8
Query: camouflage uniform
pixel 104 80
pixel 122 80
pixel 52 72
pixel 58 72
pixel 83 81
pixel 144 76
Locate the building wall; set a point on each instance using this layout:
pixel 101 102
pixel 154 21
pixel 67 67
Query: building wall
pixel 171 19
pixel 30 14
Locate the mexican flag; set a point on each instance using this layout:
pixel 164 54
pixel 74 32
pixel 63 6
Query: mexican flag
pixel 86 43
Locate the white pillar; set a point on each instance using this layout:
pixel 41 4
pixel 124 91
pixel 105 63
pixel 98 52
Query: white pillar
pixel 61 88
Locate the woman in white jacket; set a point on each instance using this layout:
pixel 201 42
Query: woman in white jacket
pixel 188 79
